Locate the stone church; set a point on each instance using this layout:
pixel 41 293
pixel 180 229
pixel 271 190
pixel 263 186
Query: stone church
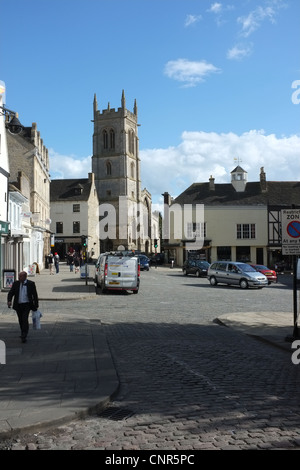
pixel 125 211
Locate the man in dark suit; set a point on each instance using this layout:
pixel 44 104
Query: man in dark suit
pixel 25 299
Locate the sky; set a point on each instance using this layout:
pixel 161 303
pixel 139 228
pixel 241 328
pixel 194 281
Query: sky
pixel 216 84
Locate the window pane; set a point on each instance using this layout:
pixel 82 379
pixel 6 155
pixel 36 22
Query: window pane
pixel 59 227
pixel 189 230
pixel 76 227
pixel 76 207
pixel 224 253
pixel 243 254
pixel 246 231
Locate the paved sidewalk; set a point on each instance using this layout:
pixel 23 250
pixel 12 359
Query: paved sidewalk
pixel 275 328
pixel 65 370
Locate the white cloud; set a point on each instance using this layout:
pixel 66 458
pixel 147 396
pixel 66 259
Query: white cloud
pixel 219 10
pixel 68 166
pixel 215 8
pixel 255 18
pixel 189 72
pixel 199 155
pixel 202 154
pixel 239 51
pixel 191 19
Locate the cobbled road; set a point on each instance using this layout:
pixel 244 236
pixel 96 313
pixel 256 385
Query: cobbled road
pixel 186 383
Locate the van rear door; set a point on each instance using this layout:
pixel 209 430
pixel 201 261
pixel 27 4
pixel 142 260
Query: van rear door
pixel 122 273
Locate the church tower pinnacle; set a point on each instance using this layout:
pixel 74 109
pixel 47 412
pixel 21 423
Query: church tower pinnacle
pixel 115 160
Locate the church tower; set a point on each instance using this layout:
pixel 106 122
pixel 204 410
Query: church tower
pixel 116 166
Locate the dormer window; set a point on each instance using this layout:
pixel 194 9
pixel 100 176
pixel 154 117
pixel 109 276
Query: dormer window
pixel 239 179
pixel 78 190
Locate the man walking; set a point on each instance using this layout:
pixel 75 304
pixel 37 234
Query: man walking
pixel 56 262
pixel 25 298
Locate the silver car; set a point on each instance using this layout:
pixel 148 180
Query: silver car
pixel 235 273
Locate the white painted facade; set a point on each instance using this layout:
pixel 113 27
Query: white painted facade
pixel 4 175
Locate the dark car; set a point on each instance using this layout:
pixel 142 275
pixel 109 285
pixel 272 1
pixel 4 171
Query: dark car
pixel 157 259
pixel 197 267
pixel 144 262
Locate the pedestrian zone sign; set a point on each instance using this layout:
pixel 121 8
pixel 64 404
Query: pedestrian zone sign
pixel 290 224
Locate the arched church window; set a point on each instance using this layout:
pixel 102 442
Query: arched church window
pixel 108 168
pixel 112 139
pixel 132 170
pixel 131 141
pixel 105 139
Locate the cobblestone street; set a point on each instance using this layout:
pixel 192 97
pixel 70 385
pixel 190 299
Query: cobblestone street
pixel 186 383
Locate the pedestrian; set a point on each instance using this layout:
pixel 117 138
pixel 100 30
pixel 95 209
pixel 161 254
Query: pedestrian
pixel 56 262
pixel 76 262
pixel 81 259
pixel 25 298
pixel 70 258
pixel 50 263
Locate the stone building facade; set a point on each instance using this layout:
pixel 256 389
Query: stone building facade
pixel 4 176
pixel 26 151
pixel 74 214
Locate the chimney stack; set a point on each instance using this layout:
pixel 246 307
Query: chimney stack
pixel 211 183
pixel 263 181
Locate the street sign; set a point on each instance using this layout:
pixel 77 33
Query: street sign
pixel 290 224
pixel 4 227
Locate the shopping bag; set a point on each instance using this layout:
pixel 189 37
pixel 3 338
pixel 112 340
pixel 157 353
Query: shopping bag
pixel 36 319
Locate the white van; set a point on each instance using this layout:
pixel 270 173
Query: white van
pixel 117 271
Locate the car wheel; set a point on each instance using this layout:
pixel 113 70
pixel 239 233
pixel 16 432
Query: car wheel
pixel 213 281
pixel 184 272
pixel 244 284
pixel 135 291
pixel 197 273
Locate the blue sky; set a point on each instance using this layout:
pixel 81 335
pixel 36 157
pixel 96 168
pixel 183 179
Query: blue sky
pixel 214 82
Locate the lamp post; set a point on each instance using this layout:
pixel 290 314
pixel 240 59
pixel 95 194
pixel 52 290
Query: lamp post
pixel 12 122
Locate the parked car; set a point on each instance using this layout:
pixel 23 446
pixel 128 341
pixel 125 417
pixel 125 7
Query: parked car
pixel 117 271
pixel 235 273
pixel 157 258
pixel 195 266
pixel 270 273
pixel 144 262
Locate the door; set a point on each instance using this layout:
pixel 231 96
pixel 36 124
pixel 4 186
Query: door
pixel 259 256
